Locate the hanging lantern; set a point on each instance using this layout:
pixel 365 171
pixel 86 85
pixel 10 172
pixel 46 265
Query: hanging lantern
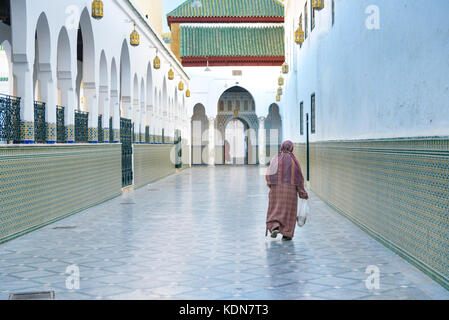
pixel 280 81
pixel 236 112
pixel 157 63
pixel 278 98
pixel 134 38
pixel 188 93
pixel 171 74
pixel 317 4
pixel 299 35
pixel 181 86
pixel 285 68
pixel 97 9
pixel 279 91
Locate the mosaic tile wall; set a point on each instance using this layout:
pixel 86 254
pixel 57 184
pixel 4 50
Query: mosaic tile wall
pixel 40 184
pixel 152 162
pixel 397 190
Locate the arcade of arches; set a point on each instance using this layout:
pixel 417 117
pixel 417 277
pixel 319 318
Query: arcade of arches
pixel 237 135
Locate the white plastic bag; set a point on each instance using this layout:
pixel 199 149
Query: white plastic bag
pixel 303 213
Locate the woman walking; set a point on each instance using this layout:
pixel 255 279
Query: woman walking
pixel 286 182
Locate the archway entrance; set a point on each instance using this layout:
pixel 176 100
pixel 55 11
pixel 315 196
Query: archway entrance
pixel 237 126
pixel 273 127
pixel 236 143
pixel 200 141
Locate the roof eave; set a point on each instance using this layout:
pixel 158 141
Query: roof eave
pixel 171 20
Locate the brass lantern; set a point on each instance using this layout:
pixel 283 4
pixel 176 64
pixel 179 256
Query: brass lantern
pixel 299 35
pixel 181 86
pixel 188 93
pixel 280 81
pixel 97 9
pixel 285 68
pixel 157 63
pixel 171 74
pixel 278 98
pixel 134 38
pixel 317 4
pixel 279 91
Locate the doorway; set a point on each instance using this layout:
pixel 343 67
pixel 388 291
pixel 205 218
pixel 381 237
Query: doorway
pixel 236 143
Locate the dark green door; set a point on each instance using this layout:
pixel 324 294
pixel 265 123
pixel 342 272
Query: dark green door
pixel 178 149
pixel 126 129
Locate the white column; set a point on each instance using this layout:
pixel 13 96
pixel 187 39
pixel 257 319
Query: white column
pixel 211 142
pixel 25 91
pixel 68 102
pixel 115 112
pixel 262 142
pixel 126 107
pixel 90 94
pixel 136 120
pixel 106 116
pixel 48 94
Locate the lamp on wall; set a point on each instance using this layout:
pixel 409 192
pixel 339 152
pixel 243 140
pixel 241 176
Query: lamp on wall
pixel 171 74
pixel 285 68
pixel 134 38
pixel 279 91
pixel 97 9
pixel 181 86
pixel 278 98
pixel 188 93
pixel 157 63
pixel 317 4
pixel 280 81
pixel 299 35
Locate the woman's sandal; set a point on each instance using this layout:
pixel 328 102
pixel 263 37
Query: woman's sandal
pixel 275 232
pixel 284 238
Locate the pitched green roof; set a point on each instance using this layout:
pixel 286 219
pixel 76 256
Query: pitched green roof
pixel 230 8
pixel 232 41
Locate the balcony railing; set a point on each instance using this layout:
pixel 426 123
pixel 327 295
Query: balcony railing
pixel 100 129
pixel 60 125
pixel 9 119
pixel 147 134
pixel 111 131
pixel 81 126
pixel 40 126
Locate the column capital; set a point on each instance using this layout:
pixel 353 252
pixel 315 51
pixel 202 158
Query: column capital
pixel 262 119
pixel 89 86
pixel 114 93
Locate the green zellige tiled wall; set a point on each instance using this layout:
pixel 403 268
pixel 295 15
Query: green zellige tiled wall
pixel 397 190
pixel 232 41
pixel 152 162
pixel 230 8
pixel 40 184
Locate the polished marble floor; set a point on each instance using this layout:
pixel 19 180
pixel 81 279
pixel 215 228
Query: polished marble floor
pixel 200 234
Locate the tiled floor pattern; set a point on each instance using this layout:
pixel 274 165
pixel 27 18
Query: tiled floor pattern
pixel 200 234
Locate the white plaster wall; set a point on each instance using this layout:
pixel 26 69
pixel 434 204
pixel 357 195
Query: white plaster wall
pixel 386 83
pixel 109 34
pixel 207 87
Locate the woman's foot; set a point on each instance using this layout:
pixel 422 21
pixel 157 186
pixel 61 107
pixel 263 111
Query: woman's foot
pixel 275 232
pixel 284 238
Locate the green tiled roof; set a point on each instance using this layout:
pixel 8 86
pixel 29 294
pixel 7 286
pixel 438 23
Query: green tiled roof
pixel 232 41
pixel 230 8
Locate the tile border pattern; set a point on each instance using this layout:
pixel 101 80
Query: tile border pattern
pixel 42 184
pixel 394 189
pixel 152 162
